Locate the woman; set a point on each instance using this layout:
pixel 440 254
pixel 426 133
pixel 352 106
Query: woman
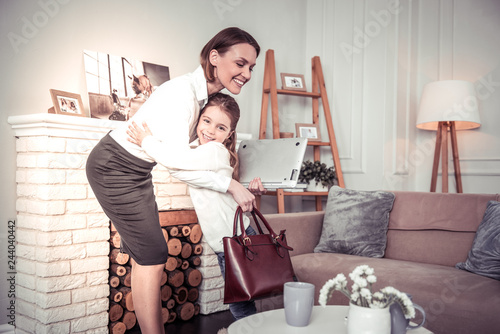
pixel 119 171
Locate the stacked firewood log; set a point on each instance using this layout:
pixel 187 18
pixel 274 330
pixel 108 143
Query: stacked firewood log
pixel 179 286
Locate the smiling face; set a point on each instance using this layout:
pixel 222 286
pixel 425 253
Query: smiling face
pixel 214 125
pixel 233 68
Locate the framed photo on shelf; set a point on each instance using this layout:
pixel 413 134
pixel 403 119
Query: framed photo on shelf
pixel 293 82
pixel 309 131
pixel 66 103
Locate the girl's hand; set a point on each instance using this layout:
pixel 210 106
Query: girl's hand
pixel 136 134
pixel 242 196
pixel 255 187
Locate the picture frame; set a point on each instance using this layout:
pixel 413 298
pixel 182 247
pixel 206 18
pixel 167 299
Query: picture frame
pixel 66 103
pixel 293 82
pixel 309 131
pixel 118 85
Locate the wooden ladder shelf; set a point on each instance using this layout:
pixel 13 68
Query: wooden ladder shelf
pixel 270 92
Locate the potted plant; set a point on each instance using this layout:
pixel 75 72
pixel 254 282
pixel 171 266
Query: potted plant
pixel 323 176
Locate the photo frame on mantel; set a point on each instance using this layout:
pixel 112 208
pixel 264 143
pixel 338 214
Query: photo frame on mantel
pixel 66 103
pixel 118 86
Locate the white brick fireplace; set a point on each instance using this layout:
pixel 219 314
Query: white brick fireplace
pixel 62 234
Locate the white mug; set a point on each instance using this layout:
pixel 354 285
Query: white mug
pixel 298 298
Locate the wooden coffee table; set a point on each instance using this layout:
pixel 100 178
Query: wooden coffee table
pixel 331 319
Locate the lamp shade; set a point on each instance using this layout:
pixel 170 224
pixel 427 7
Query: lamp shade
pixel 448 100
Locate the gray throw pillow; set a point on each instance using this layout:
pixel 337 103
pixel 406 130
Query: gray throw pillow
pixel 355 222
pixel 484 256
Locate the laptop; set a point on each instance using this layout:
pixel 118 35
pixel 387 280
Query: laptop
pixel 276 161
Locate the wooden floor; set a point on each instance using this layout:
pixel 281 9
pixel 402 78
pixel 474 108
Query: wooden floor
pixel 200 324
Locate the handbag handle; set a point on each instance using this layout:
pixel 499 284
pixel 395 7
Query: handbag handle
pixel 255 213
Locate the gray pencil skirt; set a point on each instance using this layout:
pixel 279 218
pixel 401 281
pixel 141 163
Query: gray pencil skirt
pixel 122 183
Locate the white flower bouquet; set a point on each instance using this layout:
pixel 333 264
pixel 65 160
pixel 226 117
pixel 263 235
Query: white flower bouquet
pixel 361 294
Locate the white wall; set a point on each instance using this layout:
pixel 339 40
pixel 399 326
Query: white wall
pixel 373 94
pixel 460 40
pixel 378 55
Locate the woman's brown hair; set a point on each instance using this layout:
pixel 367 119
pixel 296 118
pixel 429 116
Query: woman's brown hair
pixel 222 42
pixel 228 105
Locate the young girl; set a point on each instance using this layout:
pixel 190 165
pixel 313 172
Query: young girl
pixel 119 171
pixel 217 143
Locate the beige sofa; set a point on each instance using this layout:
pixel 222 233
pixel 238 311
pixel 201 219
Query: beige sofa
pixel 428 234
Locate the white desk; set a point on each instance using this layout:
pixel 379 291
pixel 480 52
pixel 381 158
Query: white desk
pixel 331 319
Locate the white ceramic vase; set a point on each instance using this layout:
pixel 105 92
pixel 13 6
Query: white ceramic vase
pixel 365 320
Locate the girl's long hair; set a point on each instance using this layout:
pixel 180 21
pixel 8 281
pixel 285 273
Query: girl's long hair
pixel 228 105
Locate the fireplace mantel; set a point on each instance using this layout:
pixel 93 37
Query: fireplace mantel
pixel 45 124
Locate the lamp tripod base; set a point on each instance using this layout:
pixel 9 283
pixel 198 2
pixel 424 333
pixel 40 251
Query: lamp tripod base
pixel 442 149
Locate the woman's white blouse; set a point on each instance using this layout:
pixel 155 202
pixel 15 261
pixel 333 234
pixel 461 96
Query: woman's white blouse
pixel 172 113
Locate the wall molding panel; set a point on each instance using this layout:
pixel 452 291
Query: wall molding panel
pixel 377 56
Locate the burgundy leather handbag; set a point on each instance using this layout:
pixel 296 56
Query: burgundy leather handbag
pixel 258 265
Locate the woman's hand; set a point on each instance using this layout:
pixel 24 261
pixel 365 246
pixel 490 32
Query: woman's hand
pixel 242 196
pixel 255 187
pixel 136 134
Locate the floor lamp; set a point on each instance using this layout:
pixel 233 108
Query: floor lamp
pixel 447 106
